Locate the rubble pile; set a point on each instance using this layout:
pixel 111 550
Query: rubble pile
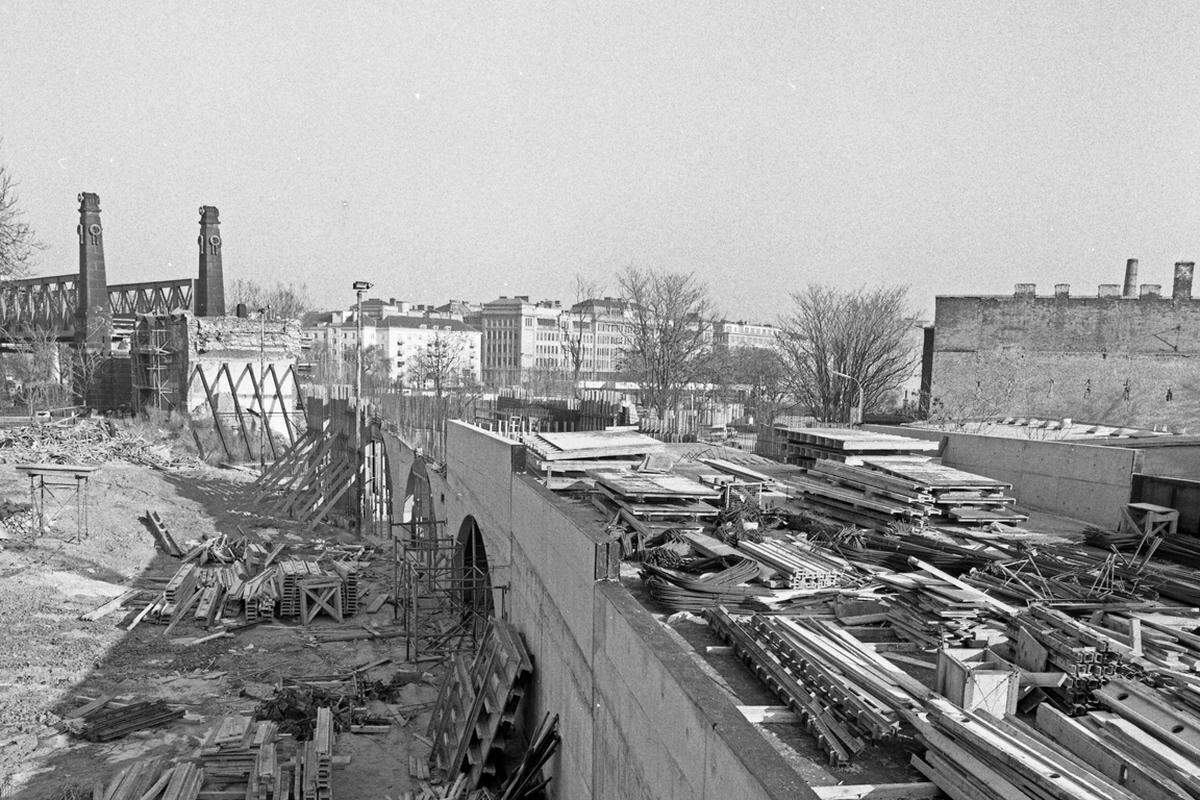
pixel 87 441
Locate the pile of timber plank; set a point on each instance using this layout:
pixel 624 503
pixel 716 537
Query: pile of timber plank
pixel 850 445
pixel 314 762
pixel 243 753
pixel 137 782
pixel 575 453
pixel 477 706
pixel 959 497
pixel 110 721
pixel 883 491
pixel 935 613
pixel 646 497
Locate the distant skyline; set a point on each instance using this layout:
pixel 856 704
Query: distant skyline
pixel 453 150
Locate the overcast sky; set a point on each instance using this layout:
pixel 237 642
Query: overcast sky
pixel 468 151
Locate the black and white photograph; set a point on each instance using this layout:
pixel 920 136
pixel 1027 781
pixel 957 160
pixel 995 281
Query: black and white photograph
pixel 766 400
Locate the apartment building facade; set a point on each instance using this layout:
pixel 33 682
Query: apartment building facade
pixel 401 340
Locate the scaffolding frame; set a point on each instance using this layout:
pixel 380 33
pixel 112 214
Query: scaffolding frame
pixel 437 593
pixel 153 364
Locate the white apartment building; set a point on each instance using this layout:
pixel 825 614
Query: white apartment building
pixel 730 335
pixel 403 339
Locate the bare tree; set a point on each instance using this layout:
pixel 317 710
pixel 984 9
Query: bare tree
pixel 87 366
pixel 761 371
pixel 670 331
pixel 35 369
pixel 863 334
pixel 440 363
pixel 18 242
pixel 579 324
pixel 286 300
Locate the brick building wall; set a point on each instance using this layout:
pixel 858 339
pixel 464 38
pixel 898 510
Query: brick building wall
pixel 1118 359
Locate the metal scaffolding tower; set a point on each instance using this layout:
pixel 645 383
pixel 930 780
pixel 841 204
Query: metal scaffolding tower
pixel 443 602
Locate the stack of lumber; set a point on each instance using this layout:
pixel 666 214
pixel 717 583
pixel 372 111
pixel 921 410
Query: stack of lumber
pixel 575 453
pixel 314 762
pixel 850 445
pixel 648 497
pixel 801 566
pixel 108 722
pixel 290 572
pixel 240 752
pixel 935 613
pixel 137 782
pixel 138 779
pixel 884 491
pixel 348 572
pixel 975 756
pixel 842 691
pixel 259 595
pixel 179 587
pixel 477 705
pixel 959 497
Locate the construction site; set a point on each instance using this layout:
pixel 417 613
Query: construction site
pixel 599 402
pixel 257 588
pixel 877 614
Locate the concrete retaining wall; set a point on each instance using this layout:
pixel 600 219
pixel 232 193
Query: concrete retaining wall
pixel 638 717
pixel 1087 482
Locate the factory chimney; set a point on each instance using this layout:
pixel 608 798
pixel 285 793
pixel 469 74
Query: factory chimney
pixel 1183 280
pixel 1131 276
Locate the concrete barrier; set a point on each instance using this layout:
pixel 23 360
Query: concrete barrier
pixel 1087 482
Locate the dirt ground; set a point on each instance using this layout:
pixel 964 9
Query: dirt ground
pixel 51 662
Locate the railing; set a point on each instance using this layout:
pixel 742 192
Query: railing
pixel 38 304
pixel 154 297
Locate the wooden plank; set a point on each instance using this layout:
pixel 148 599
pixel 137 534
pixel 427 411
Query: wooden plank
pixel 110 606
pixel 879 791
pixel 769 714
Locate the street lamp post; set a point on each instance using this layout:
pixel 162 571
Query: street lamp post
pixel 359 288
pixel 262 387
pixel 856 415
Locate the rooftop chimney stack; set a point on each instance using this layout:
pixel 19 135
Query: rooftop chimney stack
pixel 1025 290
pixel 1109 290
pixel 1182 289
pixel 1131 287
pixel 1062 290
pixel 1151 290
